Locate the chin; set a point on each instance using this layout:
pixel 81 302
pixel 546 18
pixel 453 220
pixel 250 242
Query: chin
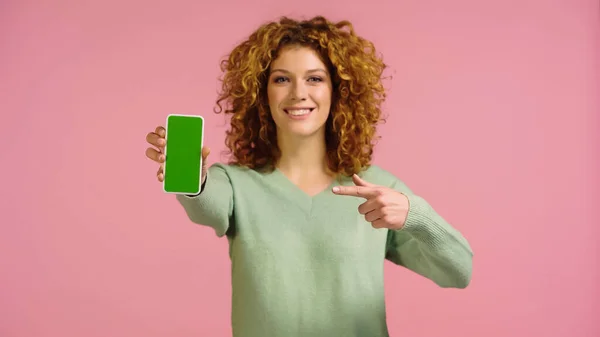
pixel 301 132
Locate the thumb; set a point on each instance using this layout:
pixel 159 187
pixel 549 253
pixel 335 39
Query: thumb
pixel 358 181
pixel 205 153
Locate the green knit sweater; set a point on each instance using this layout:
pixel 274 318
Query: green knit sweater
pixel 312 266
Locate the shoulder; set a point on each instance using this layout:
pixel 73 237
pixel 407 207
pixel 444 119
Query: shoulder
pixel 377 175
pixel 235 172
pixel 229 168
pixel 380 176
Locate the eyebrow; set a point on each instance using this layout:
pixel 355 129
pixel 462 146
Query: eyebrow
pixel 308 71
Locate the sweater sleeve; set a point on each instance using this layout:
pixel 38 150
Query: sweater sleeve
pixel 213 207
pixel 430 246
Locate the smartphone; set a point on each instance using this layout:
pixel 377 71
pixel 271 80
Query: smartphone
pixel 183 154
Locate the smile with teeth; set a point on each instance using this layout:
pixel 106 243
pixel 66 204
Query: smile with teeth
pixel 298 112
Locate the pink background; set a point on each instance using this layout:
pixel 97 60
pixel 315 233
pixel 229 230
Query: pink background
pixel 493 115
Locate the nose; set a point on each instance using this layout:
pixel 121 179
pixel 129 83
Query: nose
pixel 298 91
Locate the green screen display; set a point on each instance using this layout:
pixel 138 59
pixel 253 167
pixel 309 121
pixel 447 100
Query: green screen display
pixel 183 153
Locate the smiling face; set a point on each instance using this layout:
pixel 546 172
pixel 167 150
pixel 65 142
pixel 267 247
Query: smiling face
pixel 299 92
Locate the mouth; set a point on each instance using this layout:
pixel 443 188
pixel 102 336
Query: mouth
pixel 298 111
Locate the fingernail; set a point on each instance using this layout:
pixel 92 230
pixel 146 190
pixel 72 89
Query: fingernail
pixel 336 189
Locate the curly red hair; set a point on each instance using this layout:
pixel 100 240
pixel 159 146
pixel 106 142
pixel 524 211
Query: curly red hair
pixel 358 93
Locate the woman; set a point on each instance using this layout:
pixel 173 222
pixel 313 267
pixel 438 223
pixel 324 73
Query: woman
pixel 309 220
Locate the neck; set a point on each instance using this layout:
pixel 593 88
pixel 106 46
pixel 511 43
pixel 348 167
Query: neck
pixel 303 156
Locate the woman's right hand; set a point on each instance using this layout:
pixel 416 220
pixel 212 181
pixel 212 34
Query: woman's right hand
pixel 157 153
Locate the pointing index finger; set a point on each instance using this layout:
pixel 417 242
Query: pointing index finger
pixel 356 191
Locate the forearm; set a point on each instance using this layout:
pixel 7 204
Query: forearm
pixel 213 207
pixel 431 247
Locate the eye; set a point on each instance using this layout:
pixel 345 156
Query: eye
pixel 279 79
pixel 315 79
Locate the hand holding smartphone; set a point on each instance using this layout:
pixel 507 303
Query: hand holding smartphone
pixel 182 170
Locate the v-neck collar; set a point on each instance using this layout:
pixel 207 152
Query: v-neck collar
pixel 303 199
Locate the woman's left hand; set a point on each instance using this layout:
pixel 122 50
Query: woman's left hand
pixel 383 208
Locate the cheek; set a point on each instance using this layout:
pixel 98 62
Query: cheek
pixel 275 97
pixel 323 97
pixel 270 96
